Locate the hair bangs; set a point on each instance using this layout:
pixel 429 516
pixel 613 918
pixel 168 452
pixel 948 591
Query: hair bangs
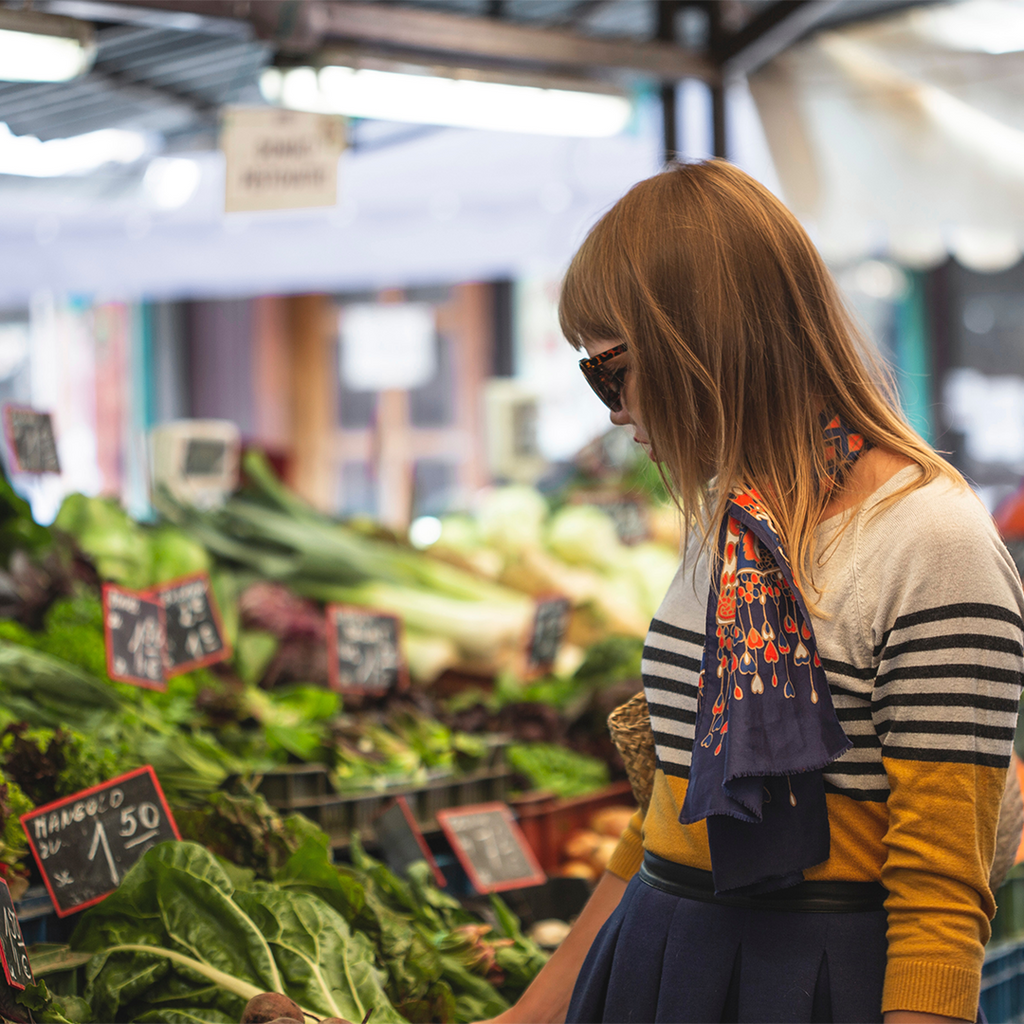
pixel 590 306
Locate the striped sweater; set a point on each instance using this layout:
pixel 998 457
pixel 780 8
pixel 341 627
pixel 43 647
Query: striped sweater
pixel 921 640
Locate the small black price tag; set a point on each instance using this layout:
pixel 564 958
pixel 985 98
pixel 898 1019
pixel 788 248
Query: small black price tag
pixel 30 440
pixel 17 969
pixel 134 625
pixel 364 650
pixel 550 621
pixel 401 841
pixel 491 847
pixel 205 456
pixel 630 519
pixel 84 844
pixel 192 626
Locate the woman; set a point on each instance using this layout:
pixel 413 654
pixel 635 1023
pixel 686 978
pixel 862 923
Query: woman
pixel 833 676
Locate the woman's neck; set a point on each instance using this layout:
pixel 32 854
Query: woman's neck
pixel 868 473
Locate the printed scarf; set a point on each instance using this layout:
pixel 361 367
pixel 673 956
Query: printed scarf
pixel 765 724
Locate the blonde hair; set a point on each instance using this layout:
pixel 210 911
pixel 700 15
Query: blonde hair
pixel 738 341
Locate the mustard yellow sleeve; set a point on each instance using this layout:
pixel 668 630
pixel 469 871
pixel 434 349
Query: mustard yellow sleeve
pixel 944 613
pixel 625 861
pixel 939 849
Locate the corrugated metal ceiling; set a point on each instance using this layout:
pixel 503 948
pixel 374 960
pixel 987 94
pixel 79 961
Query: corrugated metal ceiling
pixel 145 78
pixel 168 72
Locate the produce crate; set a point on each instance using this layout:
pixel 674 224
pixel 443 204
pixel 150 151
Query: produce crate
pixel 1002 983
pixel 546 820
pixel 307 789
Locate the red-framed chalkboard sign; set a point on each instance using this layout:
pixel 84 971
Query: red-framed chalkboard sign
pixel 491 847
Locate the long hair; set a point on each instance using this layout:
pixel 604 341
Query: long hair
pixel 738 342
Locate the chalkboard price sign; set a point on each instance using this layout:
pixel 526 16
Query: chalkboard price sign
pixel 205 456
pixel 630 520
pixel 491 847
pixel 134 627
pixel 84 844
pixel 17 969
pixel 401 841
pixel 550 621
pixel 364 650
pixel 30 440
pixel 192 628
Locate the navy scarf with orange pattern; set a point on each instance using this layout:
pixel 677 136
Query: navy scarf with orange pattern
pixel 765 724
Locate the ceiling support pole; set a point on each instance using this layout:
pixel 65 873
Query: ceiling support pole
pixel 666 33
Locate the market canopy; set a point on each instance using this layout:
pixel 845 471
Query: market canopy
pixel 905 135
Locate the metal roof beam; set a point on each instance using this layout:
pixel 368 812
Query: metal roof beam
pixel 436 32
pixel 770 32
pixel 306 27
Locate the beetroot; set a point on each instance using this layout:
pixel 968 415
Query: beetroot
pixel 274 608
pixel 271 1007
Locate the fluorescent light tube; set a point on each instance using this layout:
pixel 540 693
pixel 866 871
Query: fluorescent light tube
pixel 43 47
pixel 455 102
pixel 982 26
pixel 26 155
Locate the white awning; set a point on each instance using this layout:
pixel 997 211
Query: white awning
pixel 905 136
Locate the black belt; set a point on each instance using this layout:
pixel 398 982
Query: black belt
pixel 804 898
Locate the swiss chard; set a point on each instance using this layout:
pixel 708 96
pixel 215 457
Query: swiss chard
pixel 179 934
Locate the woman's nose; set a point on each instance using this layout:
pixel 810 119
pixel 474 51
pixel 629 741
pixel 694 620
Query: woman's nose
pixel 621 417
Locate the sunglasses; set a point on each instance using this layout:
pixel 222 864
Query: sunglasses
pixel 606 381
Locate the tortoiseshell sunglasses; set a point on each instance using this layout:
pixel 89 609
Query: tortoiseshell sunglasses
pixel 606 381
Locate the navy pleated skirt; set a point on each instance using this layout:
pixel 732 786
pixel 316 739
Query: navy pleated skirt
pixel 663 958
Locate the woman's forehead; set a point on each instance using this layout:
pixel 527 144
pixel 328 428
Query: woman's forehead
pixel 599 345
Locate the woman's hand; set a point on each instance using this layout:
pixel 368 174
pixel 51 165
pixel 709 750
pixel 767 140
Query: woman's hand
pixel 546 1001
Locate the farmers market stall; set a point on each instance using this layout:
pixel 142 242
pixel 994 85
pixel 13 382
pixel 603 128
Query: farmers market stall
pixel 202 719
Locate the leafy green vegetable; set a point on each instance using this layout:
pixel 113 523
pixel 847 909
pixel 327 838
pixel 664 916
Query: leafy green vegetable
pixel 51 763
pixel 18 530
pixel 565 772
pixel 440 963
pixel 179 932
pixel 611 659
pixel 50 1008
pixel 242 828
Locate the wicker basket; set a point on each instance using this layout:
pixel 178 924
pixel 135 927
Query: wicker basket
pixel 630 727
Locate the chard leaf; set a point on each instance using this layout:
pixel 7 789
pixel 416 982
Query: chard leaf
pixel 119 976
pixel 48 958
pixel 325 965
pixel 198 1015
pixel 202 919
pixel 49 1008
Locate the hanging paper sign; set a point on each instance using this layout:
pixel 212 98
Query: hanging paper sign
pixel 401 841
pixel 85 844
pixel 550 621
pixel 193 633
pixel 364 652
pixel 17 969
pixel 133 622
pixel 280 159
pixel 491 847
pixel 30 440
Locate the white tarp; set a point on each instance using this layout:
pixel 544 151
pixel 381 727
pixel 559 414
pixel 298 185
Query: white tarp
pixel 905 135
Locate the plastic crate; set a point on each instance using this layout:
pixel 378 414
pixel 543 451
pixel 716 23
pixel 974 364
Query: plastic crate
pixel 307 789
pixel 547 820
pixel 1002 983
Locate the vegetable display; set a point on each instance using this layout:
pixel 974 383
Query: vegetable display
pixel 250 903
